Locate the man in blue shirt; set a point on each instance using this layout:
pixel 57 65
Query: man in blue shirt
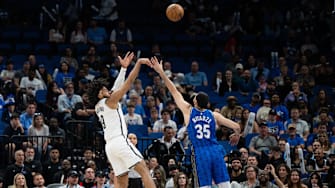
pixel 195 77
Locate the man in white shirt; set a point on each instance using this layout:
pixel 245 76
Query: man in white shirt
pixel 31 84
pixel 164 122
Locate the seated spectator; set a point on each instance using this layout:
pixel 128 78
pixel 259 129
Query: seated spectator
pixel 135 180
pixel 96 35
pixel 9 109
pixel 228 83
pixel 83 110
pixel 61 176
pixel 294 139
pixel 276 156
pixel 17 169
pixel 276 128
pixel 229 110
pixel 248 119
pixel 163 147
pixel 260 69
pixel 135 99
pixel 30 84
pixel 176 114
pixel 43 75
pixel 152 119
pixel 217 80
pixel 319 163
pixel 195 77
pixel 100 179
pixel 262 142
pixel 166 121
pixel 181 180
pixel 30 161
pixel 39 135
pixel 137 87
pixel 148 104
pixel 323 117
pixel 53 93
pixel 26 118
pixel 72 180
pixel 263 111
pixel 64 75
pixel 321 101
pixel 247 84
pixel 69 59
pixel 236 171
pixel 38 181
pixel 19 181
pixel 281 110
pixel 293 97
pixel 251 175
pixel 88 179
pixel 122 35
pixel 159 177
pixel 131 117
pixel 301 126
pixel 57 34
pixel 315 180
pixel 8 73
pixel 173 170
pixel 79 34
pixel 52 165
pixel 254 104
pixel 92 59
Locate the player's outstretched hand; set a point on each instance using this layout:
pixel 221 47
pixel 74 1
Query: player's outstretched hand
pixel 125 62
pixel 233 139
pixel 156 65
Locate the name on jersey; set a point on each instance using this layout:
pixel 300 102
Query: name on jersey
pixel 201 118
pixel 99 109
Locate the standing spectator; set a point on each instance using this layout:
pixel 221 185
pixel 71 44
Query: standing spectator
pixel 52 165
pixel 166 121
pixel 122 36
pixel 17 168
pixel 66 102
pixel 96 35
pixel 195 77
pixel 79 34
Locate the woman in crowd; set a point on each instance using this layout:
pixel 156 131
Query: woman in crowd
pixel 39 132
pixel 19 181
pixel 314 181
pixel 159 177
pixel 294 180
pixel 181 180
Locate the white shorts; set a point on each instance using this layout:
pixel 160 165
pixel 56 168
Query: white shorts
pixel 122 154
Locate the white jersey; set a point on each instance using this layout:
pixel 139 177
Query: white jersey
pixel 112 120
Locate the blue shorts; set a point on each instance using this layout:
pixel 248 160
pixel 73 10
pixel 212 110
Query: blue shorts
pixel 209 165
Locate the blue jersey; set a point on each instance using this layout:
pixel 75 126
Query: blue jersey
pixel 201 128
pixel 207 159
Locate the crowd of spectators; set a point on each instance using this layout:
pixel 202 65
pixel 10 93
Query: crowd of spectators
pixel 270 69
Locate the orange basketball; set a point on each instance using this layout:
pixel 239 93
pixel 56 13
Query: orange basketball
pixel 174 12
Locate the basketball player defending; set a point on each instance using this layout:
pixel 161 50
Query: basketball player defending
pixel 121 153
pixel 208 161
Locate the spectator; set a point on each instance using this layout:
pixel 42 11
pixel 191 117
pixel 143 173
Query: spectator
pixel 163 147
pixel 176 114
pixel 111 175
pixel 39 135
pixel 159 177
pixel 57 34
pixel 276 156
pixel 293 98
pixel 247 84
pixel 135 180
pixel 173 170
pixel 100 180
pixel 17 168
pixel 70 60
pixel 8 73
pixel 89 177
pixel 148 104
pixel 276 128
pixel 30 84
pixel 66 102
pixel 89 155
pixel 229 110
pixel 248 120
pixel 122 35
pixel 294 139
pixel 228 83
pixel 195 77
pixel 34 165
pixel 92 59
pixel 166 121
pixel 244 155
pixel 61 176
pixel 137 87
pixel 38 181
pixel 315 180
pixel 322 100
pixel 301 126
pixel 135 99
pixel 236 172
pixel 280 109
pixel 82 110
pixel 181 180
pixel 263 111
pixel 9 109
pixel 217 80
pixel 131 117
pixel 254 104
pixel 96 35
pixel 43 75
pixel 63 76
pixel 72 180
pixel 52 165
pixel 264 179
pixel 294 179
pixel 19 181
pixel 259 70
pixel 57 133
pixel 262 142
pixel 251 174
pixel 53 93
pixel 26 118
pixel 79 34
pixel 153 163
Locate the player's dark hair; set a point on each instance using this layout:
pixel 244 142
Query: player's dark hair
pixel 202 99
pixel 94 89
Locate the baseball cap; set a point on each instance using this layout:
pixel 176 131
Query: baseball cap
pixel 229 98
pixel 263 124
pixel 272 112
pixel 73 173
pixel 239 66
pixel 99 174
pixel 291 126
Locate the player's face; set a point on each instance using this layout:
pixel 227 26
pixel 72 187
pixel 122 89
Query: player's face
pixel 104 93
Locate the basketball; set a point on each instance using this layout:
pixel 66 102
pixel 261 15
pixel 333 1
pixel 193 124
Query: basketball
pixel 174 12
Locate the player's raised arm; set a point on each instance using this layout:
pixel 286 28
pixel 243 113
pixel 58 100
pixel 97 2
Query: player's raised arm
pixel 118 93
pixel 221 120
pixel 125 62
pixel 181 103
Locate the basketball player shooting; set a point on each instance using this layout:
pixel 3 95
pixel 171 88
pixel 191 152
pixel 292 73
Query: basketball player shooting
pixel 201 124
pixel 121 153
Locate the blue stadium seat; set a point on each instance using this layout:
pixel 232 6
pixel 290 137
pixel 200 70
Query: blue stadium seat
pixel 43 48
pixel 139 130
pixel 6 48
pixel 23 48
pixel 31 36
pixel 156 135
pixel 41 96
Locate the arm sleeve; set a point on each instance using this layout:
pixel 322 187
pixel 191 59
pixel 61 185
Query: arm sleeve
pixel 120 79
